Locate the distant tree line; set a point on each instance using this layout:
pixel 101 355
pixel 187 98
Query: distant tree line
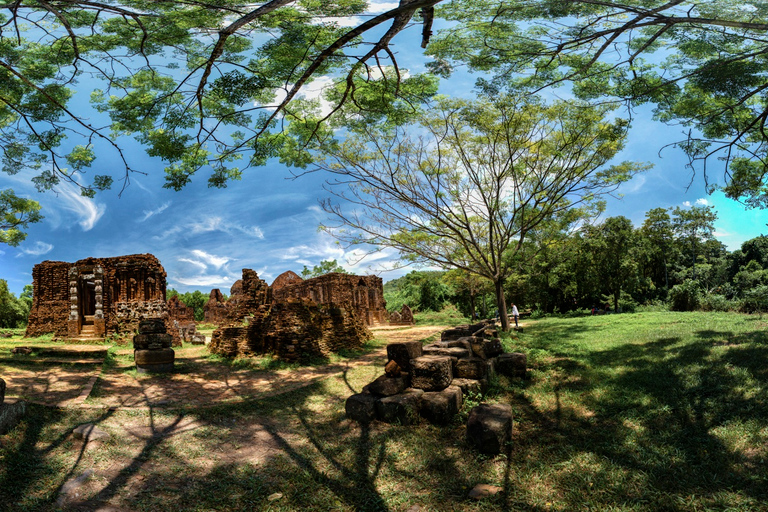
pixel 14 312
pixel 195 300
pixel 671 259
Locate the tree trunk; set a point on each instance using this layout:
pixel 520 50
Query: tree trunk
pixel 472 305
pixel 501 303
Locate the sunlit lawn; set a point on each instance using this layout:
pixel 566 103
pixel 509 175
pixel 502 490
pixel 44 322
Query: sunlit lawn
pixel 650 411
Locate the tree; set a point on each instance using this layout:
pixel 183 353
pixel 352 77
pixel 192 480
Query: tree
pixel 195 300
pixel 702 63
pixel 199 84
pixel 463 186
pixel 694 226
pixel 613 244
pixel 13 312
pixel 657 232
pixel 16 213
pixel 325 267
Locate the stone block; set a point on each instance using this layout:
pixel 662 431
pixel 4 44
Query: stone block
pixel 152 325
pixel 513 364
pixel 486 348
pixel 471 368
pixel 439 407
pixel 10 415
pixel 388 386
pixel 152 341
pixel 402 408
pixel 402 353
pixel 489 427
pixel 361 407
pixel 157 361
pixel 455 352
pixel 90 432
pixel 468 386
pixel 455 333
pixel 197 339
pixel 431 373
pixel 393 369
pixel 460 343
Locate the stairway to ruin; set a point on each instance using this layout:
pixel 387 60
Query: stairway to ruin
pixel 88 329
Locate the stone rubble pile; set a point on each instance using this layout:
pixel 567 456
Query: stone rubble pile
pixel 430 381
pixel 10 414
pixel 152 350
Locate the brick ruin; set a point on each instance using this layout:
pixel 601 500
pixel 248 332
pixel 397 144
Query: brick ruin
pixel 365 294
pixel 95 297
pixel 295 318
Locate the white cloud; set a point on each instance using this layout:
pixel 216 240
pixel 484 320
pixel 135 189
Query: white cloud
pixel 202 266
pixel 159 209
pixel 211 224
pixel 37 249
pixel 210 259
pixel 687 204
pixel 702 202
pixel 218 281
pixel 375 7
pixel 87 209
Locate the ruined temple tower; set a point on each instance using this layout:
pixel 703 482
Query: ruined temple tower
pixel 95 297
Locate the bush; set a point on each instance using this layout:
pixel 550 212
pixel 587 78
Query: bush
pixel 716 302
pixel 755 300
pixel 685 297
pixel 449 315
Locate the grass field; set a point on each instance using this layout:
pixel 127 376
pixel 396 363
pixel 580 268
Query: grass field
pixel 641 412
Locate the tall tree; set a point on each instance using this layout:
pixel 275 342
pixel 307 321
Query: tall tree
pixel 464 186
pixel 693 226
pixel 702 63
pixel 657 232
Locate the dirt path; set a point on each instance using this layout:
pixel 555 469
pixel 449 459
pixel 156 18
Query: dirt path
pixel 198 381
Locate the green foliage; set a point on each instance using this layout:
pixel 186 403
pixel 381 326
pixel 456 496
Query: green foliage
pixel 697 62
pixel 755 300
pixel 449 315
pixel 325 267
pixel 715 302
pixel 685 296
pixel 13 312
pixel 16 213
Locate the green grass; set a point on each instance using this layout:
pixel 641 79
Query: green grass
pixel 644 412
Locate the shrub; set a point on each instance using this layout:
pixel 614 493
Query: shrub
pixel 685 297
pixel 755 300
pixel 716 302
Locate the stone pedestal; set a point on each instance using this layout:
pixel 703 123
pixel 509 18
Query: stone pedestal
pixel 431 373
pixel 152 347
pixel 489 427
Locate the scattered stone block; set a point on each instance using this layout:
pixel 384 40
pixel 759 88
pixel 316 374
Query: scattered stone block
pixel 388 386
pixel 454 352
pixel 431 373
pixel 460 343
pixel 10 415
pixel 486 348
pixel 468 386
pixel 402 353
pixel 90 432
pixel 481 491
pixel 513 364
pixel 471 368
pixel 393 369
pixel 197 339
pixel 489 427
pixel 152 325
pixel 439 407
pixel 152 341
pixel 361 407
pixel 156 361
pixel 402 408
pixel 21 350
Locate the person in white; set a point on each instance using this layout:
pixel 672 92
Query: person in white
pixel 515 313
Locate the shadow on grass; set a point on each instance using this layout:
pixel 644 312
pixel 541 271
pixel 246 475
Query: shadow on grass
pixel 654 423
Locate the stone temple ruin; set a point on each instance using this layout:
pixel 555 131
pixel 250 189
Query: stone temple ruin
pixel 95 297
pixel 295 318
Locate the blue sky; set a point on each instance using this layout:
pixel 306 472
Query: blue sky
pixel 268 222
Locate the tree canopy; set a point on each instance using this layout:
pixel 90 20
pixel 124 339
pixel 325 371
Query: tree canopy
pixel 465 185
pixel 701 63
pixel 218 86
